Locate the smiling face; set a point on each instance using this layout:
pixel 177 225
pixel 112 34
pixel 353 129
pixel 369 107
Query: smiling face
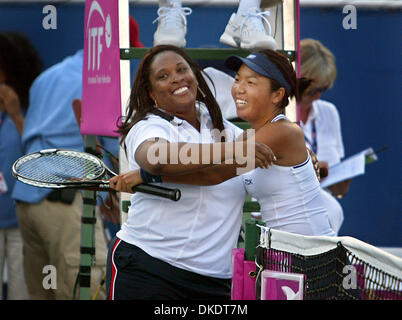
pixel 173 83
pixel 255 103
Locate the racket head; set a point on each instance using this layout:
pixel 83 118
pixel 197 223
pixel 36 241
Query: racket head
pixel 54 168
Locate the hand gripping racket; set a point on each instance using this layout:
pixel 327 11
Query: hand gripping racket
pixel 60 168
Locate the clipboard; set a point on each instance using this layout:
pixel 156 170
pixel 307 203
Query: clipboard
pixel 351 167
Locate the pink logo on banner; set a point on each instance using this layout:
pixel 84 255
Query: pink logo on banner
pixel 281 285
pixel 101 103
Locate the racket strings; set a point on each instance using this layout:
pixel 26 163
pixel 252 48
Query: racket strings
pixel 56 168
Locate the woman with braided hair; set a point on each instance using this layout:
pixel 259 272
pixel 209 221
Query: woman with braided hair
pixel 182 250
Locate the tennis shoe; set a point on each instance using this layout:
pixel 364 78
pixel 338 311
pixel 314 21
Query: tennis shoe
pixel 172 26
pixel 248 31
pixel 231 35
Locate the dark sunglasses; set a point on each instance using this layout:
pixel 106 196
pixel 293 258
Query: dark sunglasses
pixel 314 91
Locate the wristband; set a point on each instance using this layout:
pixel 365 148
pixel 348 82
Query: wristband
pixel 149 178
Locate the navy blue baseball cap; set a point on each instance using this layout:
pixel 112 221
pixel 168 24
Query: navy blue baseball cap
pixel 259 63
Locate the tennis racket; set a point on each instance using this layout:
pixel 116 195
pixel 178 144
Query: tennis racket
pixel 61 168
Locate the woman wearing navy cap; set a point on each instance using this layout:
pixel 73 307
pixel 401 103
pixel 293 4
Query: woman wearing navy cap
pixel 288 192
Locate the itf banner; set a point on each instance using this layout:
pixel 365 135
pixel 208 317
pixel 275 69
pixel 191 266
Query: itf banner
pixel 101 103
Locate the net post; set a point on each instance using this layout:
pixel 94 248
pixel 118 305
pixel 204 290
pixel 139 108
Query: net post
pixel 87 249
pixel 252 234
pixel 291 43
pixel 125 89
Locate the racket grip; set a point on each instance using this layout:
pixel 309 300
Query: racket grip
pixel 172 194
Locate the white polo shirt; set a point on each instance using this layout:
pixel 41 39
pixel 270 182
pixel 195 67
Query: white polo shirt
pixel 328 130
pixel 198 232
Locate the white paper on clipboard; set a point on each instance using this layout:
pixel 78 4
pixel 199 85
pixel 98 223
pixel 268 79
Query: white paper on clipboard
pixel 349 168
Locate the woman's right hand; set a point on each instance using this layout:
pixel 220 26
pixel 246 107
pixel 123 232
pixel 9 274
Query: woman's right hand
pixel 124 182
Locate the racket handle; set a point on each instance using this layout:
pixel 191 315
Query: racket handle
pixel 172 194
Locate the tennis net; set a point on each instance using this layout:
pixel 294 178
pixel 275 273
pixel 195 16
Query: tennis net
pixel 333 267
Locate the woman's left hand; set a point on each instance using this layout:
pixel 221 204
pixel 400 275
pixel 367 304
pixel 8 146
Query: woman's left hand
pixel 124 182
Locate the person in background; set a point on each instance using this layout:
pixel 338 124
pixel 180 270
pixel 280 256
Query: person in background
pixel 320 121
pixel 20 64
pixel 245 29
pixel 135 40
pixel 50 221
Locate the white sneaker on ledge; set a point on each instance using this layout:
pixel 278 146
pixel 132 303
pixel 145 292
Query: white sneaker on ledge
pixel 231 35
pixel 253 33
pixel 248 32
pixel 172 26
